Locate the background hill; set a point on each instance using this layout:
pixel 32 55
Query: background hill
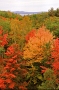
pixel 25 13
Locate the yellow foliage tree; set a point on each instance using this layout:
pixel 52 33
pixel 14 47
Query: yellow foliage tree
pixel 34 49
pixel 15 30
pixel 25 25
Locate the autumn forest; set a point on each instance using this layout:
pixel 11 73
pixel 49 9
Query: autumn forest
pixel 29 51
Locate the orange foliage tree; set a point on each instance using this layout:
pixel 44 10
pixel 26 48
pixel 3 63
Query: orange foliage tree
pixel 55 57
pixel 11 73
pixel 37 43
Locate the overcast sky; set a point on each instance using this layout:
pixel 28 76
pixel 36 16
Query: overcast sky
pixel 28 5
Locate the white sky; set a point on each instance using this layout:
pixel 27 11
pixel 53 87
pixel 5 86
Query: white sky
pixel 28 5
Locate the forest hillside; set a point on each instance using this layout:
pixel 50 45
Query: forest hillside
pixel 29 51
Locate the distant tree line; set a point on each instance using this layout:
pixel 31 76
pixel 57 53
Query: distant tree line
pixel 53 12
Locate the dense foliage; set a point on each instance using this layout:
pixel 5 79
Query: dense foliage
pixel 29 51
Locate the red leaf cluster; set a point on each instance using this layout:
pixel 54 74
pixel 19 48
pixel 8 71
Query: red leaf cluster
pixel 30 35
pixel 3 38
